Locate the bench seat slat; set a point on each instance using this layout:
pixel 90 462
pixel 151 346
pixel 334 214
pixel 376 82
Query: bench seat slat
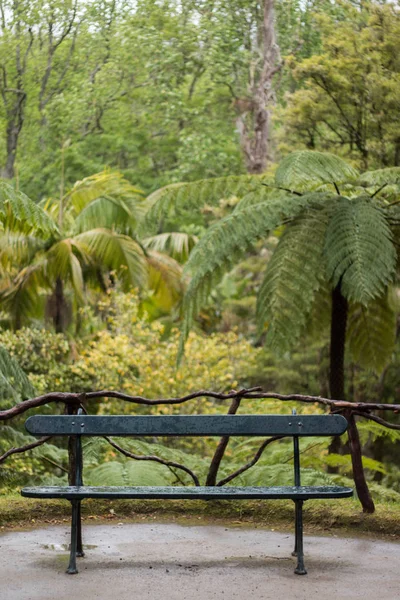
pixel 184 493
pixel 188 425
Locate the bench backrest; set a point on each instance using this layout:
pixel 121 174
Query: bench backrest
pixel 188 425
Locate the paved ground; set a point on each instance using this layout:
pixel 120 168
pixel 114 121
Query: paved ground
pixel 174 562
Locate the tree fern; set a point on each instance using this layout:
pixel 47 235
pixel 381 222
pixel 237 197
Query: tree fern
pixel 359 249
pixel 305 170
pixel 225 242
pixel 19 213
pixel 14 384
pixel 371 332
pixel 293 276
pixel 170 199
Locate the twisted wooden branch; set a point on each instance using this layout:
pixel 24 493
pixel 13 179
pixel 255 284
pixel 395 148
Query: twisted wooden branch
pixel 22 449
pixel 252 462
pixel 167 463
pixel 379 420
pixel 70 398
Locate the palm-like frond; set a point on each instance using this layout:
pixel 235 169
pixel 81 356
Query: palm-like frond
pixel 178 245
pixel 65 260
pixel 293 276
pixel 117 252
pixel 106 183
pixel 359 249
pixel 13 381
pixel 19 213
pixel 20 297
pixel 226 241
pixel 172 198
pixel 164 280
pixel 121 214
pixel 371 332
pixel 306 169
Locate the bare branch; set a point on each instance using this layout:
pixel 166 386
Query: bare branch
pixel 25 448
pixel 251 463
pixel 379 420
pixel 167 463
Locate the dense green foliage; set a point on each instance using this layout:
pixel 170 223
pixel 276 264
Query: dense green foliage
pixel 127 211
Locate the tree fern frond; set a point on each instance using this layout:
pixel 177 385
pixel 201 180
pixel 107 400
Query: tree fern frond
pixel 260 194
pixel 168 200
pixel 294 275
pixel 118 252
pixel 359 249
pixel 371 332
pixel 226 241
pixel 19 213
pixel 13 381
pixel 306 169
pixel 379 177
pixel 177 244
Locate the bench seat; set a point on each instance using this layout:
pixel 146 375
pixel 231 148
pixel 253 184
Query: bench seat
pixel 184 493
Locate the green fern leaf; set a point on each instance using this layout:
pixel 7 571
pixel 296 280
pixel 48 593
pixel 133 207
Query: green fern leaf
pixel 371 333
pixel 14 382
pixel 306 169
pixel 226 241
pixel 293 277
pixel 379 177
pixel 359 249
pixel 168 200
pixel 19 213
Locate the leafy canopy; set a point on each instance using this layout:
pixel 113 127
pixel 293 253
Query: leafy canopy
pixel 339 229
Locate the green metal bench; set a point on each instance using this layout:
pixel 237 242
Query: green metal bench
pixel 200 425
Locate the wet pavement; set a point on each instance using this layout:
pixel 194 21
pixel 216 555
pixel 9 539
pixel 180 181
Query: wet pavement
pixel 174 562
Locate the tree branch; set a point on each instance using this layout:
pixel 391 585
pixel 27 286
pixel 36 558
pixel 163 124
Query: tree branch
pixel 167 463
pixel 22 449
pixel 252 462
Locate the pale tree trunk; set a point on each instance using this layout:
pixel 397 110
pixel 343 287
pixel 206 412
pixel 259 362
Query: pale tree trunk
pixel 254 120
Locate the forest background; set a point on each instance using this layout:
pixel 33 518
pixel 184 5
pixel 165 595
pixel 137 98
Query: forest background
pixel 106 108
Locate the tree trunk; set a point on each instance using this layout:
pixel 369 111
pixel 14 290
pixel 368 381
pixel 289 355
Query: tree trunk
pixel 254 120
pixel 220 450
pixel 59 307
pixel 337 392
pixel 337 350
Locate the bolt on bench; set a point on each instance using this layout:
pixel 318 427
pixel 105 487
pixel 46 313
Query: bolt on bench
pixel 181 425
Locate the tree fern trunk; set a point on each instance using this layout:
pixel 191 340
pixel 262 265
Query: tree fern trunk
pixel 337 392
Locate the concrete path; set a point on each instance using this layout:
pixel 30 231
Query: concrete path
pixel 174 562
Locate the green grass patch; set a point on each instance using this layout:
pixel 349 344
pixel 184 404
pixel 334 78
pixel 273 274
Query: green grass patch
pixel 343 517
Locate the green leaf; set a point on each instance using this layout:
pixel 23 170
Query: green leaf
pixel 19 213
pixel 371 333
pixel 293 276
pixel 359 249
pixel 306 169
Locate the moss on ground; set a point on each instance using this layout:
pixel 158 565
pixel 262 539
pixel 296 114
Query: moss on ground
pixel 343 517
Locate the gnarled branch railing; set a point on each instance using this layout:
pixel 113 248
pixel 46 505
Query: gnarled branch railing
pixel 72 401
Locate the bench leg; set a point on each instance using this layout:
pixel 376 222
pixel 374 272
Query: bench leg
pixel 294 553
pixel 74 538
pixel 299 570
pixel 79 545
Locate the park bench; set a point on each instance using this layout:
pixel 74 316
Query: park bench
pixel 294 426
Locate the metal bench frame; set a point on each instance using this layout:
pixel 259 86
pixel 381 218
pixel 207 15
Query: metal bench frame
pixel 183 425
